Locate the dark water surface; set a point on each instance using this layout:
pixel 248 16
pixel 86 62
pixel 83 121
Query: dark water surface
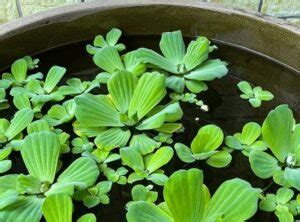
pixel 227 110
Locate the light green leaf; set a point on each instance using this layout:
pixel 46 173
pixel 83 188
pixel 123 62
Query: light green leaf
pixel 54 75
pixel 284 195
pixel 169 128
pixel 58 208
pixel 175 83
pixel 149 56
pixel 234 200
pixel 90 217
pixel 284 216
pixel 197 53
pixel 40 153
pixel 19 70
pixel 158 179
pixel 38 126
pixel 96 111
pixel 132 158
pixel 183 194
pixel 20 121
pixel 233 142
pixel 5 165
pixel 263 95
pixel 267 205
pixel 143 144
pixel 143 211
pixel 196 86
pixel 8 182
pixel 209 71
pixel 251 132
pixel 109 60
pixel 28 184
pixel 83 171
pixel 208 138
pixel 86 131
pixel 160 158
pixel 170 113
pixel 184 153
pixel 172 46
pixel 149 91
pixel 21 101
pixel 220 159
pixel 255 102
pixel 133 64
pixel 113 36
pixel 26 209
pixel 7 198
pixel 292 176
pixel 263 164
pixel 277 131
pixel 121 88
pixel 245 88
pixel 112 138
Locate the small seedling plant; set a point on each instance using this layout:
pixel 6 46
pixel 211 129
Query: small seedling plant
pixel 77 141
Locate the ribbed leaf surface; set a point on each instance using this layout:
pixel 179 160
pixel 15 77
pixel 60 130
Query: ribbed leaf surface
pixel 96 111
pixel 40 153
pixel 53 77
pixel 84 170
pixel 121 88
pixel 58 208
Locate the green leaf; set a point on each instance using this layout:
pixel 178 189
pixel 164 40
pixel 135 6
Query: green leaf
pixel 160 158
pixel 7 198
pixel 277 131
pixel 113 36
pixel 96 111
pixel 143 144
pixel 234 200
pixel 20 121
pixel 28 184
pixel 292 176
pixel 133 64
pixel 54 75
pixel 197 52
pixel 196 86
pixel 184 153
pixel 185 186
pixel 26 209
pixel 149 56
pixel 149 91
pixel 209 138
pixel 112 138
pixel 245 88
pixel 40 153
pixel 233 142
pixel 251 132
pixel 5 165
pixel 83 171
pixel 284 215
pixel 143 211
pixel 8 182
pixel 263 164
pixel 86 131
pixel 284 195
pixel 158 179
pixel 169 113
pixel 108 59
pixel 121 88
pixel 220 159
pixel 58 208
pixel 175 83
pixel 263 95
pixel 19 70
pixel 132 158
pixel 172 46
pixel 209 71
pixel 38 126
pixel 21 101
pixel 255 102
pixel 90 217
pixel 267 205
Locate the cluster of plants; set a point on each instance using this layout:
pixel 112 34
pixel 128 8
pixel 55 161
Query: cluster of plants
pixel 78 140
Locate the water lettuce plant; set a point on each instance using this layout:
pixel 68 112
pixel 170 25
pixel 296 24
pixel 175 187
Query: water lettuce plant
pixel 73 149
pixel 255 95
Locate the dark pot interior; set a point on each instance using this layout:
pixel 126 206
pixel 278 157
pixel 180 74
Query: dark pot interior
pixel 271 63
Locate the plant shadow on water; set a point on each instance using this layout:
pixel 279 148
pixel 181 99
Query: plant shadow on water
pixel 226 110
